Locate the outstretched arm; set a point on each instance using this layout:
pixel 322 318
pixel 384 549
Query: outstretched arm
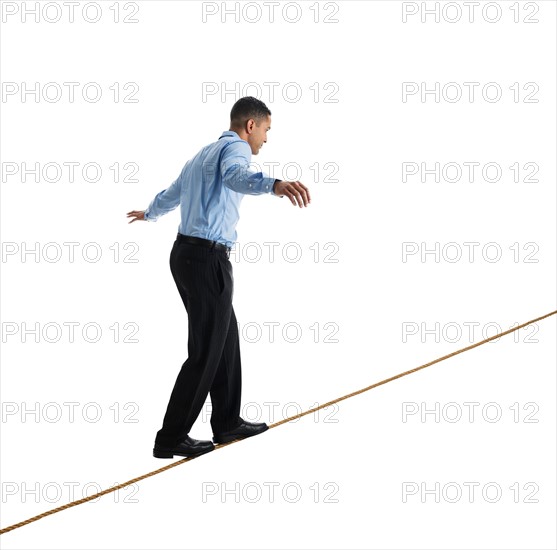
pixel 164 202
pixel 236 175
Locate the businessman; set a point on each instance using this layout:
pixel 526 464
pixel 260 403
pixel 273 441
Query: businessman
pixel 209 191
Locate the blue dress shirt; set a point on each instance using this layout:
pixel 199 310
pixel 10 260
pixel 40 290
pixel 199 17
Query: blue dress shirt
pixel 210 188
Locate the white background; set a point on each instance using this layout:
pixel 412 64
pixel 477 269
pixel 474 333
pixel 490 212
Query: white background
pixel 369 293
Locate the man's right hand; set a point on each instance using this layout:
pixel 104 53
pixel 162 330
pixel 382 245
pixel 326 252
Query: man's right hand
pixel 136 215
pixel 296 191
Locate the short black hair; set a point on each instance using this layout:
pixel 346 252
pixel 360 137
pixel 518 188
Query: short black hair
pixel 246 108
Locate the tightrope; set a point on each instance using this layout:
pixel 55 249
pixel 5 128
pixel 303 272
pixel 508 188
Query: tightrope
pixel 174 464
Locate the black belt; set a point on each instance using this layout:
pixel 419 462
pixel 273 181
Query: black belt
pixel 202 242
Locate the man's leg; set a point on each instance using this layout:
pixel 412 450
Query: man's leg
pixel 226 391
pixel 207 295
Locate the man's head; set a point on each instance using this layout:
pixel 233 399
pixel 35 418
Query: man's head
pixel 251 119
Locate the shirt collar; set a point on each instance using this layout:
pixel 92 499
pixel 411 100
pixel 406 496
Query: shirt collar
pixel 229 133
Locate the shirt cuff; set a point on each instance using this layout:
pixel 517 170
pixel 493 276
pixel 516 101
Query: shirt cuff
pixel 267 184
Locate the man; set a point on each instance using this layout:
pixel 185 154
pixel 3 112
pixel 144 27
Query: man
pixel 209 191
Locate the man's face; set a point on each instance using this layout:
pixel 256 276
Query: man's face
pixel 258 135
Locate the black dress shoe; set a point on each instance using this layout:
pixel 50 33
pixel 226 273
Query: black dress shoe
pixel 245 429
pixel 187 447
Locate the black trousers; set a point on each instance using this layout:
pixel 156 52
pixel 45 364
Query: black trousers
pixel 206 285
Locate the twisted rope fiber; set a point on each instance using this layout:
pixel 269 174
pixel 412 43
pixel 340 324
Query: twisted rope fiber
pixel 154 472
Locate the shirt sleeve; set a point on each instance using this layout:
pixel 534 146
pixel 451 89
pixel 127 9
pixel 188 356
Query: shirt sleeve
pixel 165 201
pixel 236 174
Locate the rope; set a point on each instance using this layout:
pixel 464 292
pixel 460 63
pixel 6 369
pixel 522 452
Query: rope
pixel 174 464
pixel 410 371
